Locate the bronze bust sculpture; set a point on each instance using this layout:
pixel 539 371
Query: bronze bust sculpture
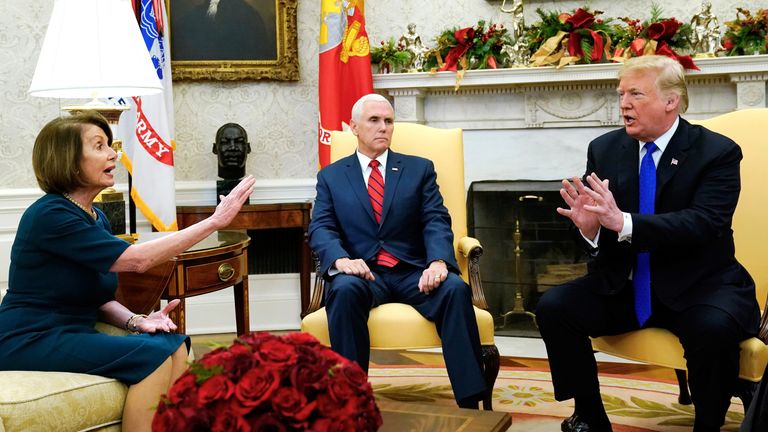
pixel 232 148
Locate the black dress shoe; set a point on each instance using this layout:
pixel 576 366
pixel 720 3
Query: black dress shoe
pixel 575 424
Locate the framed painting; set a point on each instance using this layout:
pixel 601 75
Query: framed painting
pixel 227 40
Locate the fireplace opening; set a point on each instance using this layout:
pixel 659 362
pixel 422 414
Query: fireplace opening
pixel 528 248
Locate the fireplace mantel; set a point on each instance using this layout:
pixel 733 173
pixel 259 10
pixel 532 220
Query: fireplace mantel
pixel 574 96
pixel 535 123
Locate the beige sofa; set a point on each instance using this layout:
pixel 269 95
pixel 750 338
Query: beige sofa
pixel 60 401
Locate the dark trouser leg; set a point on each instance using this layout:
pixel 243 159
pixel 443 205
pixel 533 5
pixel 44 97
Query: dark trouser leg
pixel 449 306
pixel 567 316
pixel 710 337
pixel 348 302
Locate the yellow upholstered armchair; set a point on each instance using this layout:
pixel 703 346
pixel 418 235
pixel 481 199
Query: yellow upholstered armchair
pixel 398 326
pixel 660 347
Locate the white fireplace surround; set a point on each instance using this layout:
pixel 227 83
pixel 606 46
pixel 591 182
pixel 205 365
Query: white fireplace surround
pixel 527 123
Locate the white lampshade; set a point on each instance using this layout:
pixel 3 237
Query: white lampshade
pixel 93 49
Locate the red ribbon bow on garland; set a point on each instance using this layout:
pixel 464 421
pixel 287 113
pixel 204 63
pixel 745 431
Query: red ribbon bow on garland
pixel 657 41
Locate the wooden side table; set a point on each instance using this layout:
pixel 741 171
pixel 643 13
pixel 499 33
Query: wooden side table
pixel 264 216
pixel 217 262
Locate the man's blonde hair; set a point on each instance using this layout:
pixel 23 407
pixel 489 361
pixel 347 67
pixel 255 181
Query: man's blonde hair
pixel 670 75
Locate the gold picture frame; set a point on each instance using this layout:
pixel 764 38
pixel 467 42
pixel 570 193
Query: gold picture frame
pixel 204 57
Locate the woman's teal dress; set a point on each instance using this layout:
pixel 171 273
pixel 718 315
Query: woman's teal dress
pixel 59 277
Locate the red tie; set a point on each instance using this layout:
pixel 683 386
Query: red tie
pixel 376 193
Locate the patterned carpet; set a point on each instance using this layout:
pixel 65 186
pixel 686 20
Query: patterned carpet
pixel 633 405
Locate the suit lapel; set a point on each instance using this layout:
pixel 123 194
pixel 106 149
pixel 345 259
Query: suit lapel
pixel 673 157
pixel 357 183
pixel 391 180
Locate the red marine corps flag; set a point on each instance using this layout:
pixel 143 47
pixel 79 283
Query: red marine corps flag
pixel 345 67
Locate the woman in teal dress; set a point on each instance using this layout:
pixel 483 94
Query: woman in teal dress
pixel 63 274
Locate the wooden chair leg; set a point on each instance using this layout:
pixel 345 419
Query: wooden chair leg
pixel 682 381
pixel 491 364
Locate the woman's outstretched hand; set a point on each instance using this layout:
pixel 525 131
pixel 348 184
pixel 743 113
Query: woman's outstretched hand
pixel 158 321
pixel 230 205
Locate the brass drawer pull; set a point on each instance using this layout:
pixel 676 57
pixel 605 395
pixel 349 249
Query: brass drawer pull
pixel 226 271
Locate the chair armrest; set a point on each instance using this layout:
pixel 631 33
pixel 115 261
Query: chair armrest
pixel 470 248
pixel 317 293
pixel 762 333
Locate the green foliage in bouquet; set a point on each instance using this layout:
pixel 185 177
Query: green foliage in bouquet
pixel 747 34
pixel 390 56
pixel 477 47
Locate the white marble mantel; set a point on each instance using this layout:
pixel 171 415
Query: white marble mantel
pixel 535 123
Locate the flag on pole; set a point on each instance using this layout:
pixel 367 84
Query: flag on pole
pixel 345 67
pixel 149 142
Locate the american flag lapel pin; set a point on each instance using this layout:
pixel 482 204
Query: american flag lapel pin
pixel 674 161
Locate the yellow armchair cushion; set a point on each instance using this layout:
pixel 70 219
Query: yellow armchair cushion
pixel 661 347
pixel 397 326
pixel 48 401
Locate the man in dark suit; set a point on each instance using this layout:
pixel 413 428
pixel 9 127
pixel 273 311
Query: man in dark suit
pixel 383 235
pixel 661 245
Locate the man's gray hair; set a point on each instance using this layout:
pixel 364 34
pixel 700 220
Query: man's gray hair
pixel 357 108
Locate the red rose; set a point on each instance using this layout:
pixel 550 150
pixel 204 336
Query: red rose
pixel 171 419
pixel 241 359
pixel 275 351
pixel 228 421
pixel 307 376
pixel 335 425
pixel 215 388
pixel 266 422
pixel 184 389
pixel 728 43
pixel 292 404
pixel 301 339
pixel 329 407
pixel 353 374
pixel 663 30
pixel 581 19
pixel 340 389
pixel 256 386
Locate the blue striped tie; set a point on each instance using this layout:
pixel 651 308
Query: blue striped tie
pixel 642 275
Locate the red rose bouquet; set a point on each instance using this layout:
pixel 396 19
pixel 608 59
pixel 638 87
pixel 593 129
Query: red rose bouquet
pixel 747 34
pixel 662 36
pixel 264 382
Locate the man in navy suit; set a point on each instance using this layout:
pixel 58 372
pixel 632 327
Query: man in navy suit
pixel 696 287
pixel 384 236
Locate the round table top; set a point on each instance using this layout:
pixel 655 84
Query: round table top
pixel 217 240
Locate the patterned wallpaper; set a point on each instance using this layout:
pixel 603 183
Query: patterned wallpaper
pixel 280 117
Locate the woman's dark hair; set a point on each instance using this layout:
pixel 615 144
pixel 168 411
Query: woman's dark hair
pixel 59 148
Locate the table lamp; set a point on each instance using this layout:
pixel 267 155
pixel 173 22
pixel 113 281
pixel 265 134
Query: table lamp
pixel 94 49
